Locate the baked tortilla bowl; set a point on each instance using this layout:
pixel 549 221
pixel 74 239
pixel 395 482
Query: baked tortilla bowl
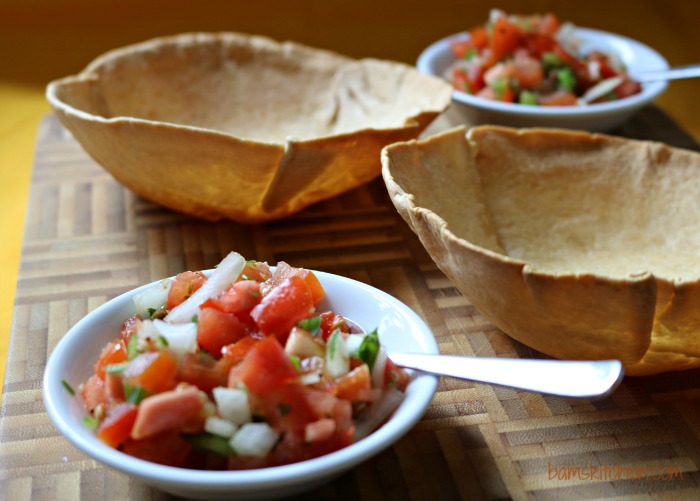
pixel 227 125
pixel 578 245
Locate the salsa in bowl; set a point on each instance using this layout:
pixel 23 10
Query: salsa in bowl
pixel 73 363
pixel 543 73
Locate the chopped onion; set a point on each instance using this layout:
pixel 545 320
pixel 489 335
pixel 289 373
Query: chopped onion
pixel 377 413
pixel 353 343
pixel 254 439
pixel 181 338
pixel 337 359
pixel 152 299
pixel 379 368
pixel 221 427
pixel 310 378
pixel 233 404
pixel 221 279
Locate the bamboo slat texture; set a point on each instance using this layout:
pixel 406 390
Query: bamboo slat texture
pixel 87 239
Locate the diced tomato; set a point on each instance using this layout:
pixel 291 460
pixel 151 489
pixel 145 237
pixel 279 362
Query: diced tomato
pixel 202 371
pixel 460 47
pixel 113 353
pixel 233 354
pixel 93 393
pixel 479 37
pixel 114 386
pixel 558 98
pixel 284 271
pixel 153 371
pixel 167 411
pixel 331 321
pixel 184 285
pixel 549 25
pixel 256 270
pixel 216 329
pixel 281 309
pixel 285 408
pixel 504 39
pixel 320 430
pixel 239 299
pixel 129 328
pixel 116 427
pixel 356 385
pixel 527 70
pixel 627 88
pixel 168 449
pixel 265 368
pixel 395 377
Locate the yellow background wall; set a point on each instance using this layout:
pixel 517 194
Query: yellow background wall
pixel 45 39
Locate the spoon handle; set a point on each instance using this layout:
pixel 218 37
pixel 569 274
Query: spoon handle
pixel 580 379
pixel 689 71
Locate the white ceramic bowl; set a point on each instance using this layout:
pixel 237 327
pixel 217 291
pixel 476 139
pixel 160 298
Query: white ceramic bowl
pixel 400 329
pixel 600 117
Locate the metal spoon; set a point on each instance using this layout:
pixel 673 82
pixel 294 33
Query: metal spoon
pixel 605 86
pixel 566 378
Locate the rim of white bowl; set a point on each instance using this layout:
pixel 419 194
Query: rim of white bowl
pixel 418 396
pixel 428 63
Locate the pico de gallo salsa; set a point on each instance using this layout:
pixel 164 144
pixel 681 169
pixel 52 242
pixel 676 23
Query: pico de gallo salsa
pixel 533 60
pixel 238 370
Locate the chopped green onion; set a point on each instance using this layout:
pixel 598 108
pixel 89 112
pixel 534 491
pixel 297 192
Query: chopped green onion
pixel 500 86
pixel 296 362
pixel 68 387
pixel 369 348
pixel 195 319
pixel 333 341
pixel 134 394
pixel 91 423
pixel 151 311
pixel 566 79
pixel 550 60
pixel 210 443
pixel 527 97
pixel 163 341
pixel 311 325
pixel 132 347
pixel 470 54
pixel 116 368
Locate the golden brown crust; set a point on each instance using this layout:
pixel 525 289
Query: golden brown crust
pixel 578 245
pixel 226 125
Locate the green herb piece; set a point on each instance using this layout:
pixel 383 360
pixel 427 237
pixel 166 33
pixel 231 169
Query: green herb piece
pixel 68 387
pixel 163 341
pixel 333 342
pixel 132 347
pixel 369 348
pixel 134 394
pixel 296 362
pixel 195 319
pixel 210 443
pixel 566 80
pixel 116 368
pixel 500 86
pixel 470 54
pixel 527 97
pixel 550 60
pixel 91 423
pixel 151 311
pixel 311 325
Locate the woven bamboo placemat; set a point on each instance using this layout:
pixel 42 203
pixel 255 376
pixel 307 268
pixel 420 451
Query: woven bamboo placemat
pixel 87 240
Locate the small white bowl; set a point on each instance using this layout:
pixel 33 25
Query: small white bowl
pixel 400 329
pixel 437 58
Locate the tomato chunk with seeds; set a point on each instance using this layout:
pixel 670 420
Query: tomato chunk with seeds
pixel 153 371
pixel 184 285
pixel 217 329
pixel 117 425
pixel 265 368
pixel 113 353
pixel 281 309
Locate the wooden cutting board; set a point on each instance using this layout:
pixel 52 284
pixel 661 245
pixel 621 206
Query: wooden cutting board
pixel 87 239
